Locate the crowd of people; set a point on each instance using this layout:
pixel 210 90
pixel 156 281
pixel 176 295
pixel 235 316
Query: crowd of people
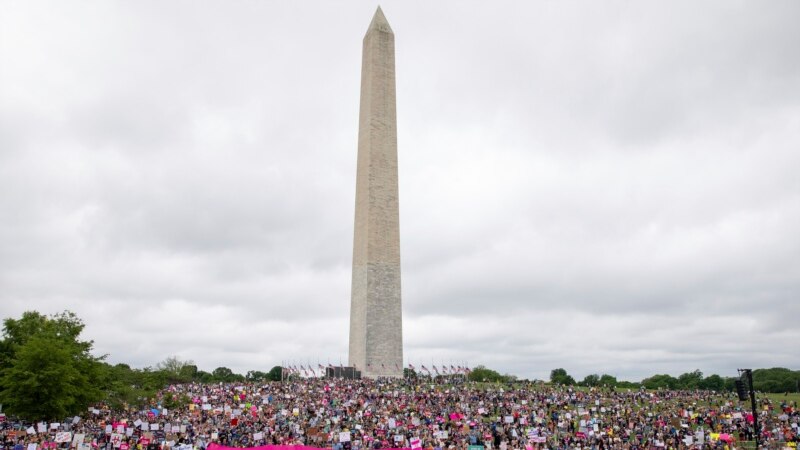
pixel 373 414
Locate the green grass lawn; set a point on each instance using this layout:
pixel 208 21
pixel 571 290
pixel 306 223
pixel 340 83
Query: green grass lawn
pixel 778 398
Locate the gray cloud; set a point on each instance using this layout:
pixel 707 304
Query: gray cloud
pixel 601 188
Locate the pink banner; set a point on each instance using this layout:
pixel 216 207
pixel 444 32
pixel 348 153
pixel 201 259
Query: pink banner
pixel 213 446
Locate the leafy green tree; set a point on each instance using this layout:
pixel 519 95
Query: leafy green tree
pixel 154 378
pixel 560 376
pixel 607 380
pixel 6 353
pixel 49 373
pixel 713 382
pixel 591 380
pixel 690 380
pixel 222 374
pixel 481 373
pixel 225 374
pixel 274 374
pixel 776 379
pixel 256 375
pixel 124 386
pixel 175 369
pixel 662 381
pixel 204 377
pixel 730 383
pixel 65 325
pixel 189 372
pixel 628 384
pixel 133 387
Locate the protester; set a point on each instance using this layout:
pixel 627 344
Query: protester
pixel 366 414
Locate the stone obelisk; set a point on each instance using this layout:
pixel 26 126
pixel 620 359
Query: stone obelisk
pixel 376 328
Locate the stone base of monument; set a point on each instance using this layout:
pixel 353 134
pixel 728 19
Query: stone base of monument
pixel 348 373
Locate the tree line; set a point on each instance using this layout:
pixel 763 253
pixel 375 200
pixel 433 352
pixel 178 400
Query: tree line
pixel 48 372
pixel 774 380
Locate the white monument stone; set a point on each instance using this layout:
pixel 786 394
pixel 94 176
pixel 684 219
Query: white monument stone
pixel 376 328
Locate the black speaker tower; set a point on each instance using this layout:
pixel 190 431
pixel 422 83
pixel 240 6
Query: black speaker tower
pixel 746 381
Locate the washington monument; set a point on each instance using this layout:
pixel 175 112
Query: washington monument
pixel 376 328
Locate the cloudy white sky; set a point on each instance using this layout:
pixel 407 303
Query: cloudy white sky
pixel 606 187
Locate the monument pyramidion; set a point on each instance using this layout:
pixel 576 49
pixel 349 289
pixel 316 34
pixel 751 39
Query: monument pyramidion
pixel 376 327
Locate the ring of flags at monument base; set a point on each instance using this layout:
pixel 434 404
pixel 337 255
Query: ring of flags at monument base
pixel 310 371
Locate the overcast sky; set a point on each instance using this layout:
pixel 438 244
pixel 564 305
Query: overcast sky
pixel 607 187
